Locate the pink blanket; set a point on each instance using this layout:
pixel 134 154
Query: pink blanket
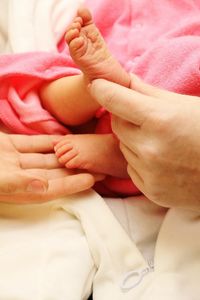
pixel 158 40
pixel 21 76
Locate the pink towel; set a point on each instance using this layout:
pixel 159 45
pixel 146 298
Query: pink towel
pixel 157 40
pixel 21 76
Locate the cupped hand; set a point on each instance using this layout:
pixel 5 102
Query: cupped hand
pixel 29 172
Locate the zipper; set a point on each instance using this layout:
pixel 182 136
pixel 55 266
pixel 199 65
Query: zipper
pixel 133 278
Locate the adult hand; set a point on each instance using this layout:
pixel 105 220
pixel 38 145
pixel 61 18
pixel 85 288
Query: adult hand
pixel 30 173
pixel 159 135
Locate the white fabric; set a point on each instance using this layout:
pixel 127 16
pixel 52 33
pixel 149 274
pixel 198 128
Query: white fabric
pixel 63 249
pixel 59 250
pixel 34 25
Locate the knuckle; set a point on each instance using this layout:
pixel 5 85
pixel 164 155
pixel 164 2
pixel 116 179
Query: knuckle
pixel 154 191
pixel 163 122
pixel 161 125
pixel 154 154
pixel 150 154
pixel 155 187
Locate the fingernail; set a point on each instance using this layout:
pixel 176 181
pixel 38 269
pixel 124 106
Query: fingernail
pixel 36 186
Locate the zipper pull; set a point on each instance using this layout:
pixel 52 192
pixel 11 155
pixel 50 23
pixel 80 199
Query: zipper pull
pixel 133 278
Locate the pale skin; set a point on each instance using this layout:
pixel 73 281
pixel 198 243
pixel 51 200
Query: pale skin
pixel 30 172
pixel 159 134
pixel 70 102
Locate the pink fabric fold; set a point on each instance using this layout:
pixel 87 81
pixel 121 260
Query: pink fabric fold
pixel 157 40
pixel 21 75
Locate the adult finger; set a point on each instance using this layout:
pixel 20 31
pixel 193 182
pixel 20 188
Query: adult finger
pixel 122 102
pixel 51 173
pixel 20 181
pixel 134 167
pixel 68 185
pixel 137 180
pixel 131 157
pixel 60 187
pixel 57 188
pixel 129 134
pixel 38 160
pixel 61 172
pixel 34 143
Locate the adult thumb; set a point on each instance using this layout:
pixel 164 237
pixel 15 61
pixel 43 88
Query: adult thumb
pixel 22 182
pixel 123 102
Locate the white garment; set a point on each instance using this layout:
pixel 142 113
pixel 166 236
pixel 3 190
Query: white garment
pixel 34 25
pixel 60 249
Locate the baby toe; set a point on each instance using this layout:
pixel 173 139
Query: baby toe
pixel 63 149
pixel 71 34
pixel 65 158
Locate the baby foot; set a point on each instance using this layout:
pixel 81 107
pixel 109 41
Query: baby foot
pixel 92 152
pixel 90 53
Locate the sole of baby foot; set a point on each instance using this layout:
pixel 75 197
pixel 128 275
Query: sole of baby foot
pixel 89 51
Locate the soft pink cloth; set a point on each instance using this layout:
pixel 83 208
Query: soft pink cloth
pixel 20 77
pixel 157 40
